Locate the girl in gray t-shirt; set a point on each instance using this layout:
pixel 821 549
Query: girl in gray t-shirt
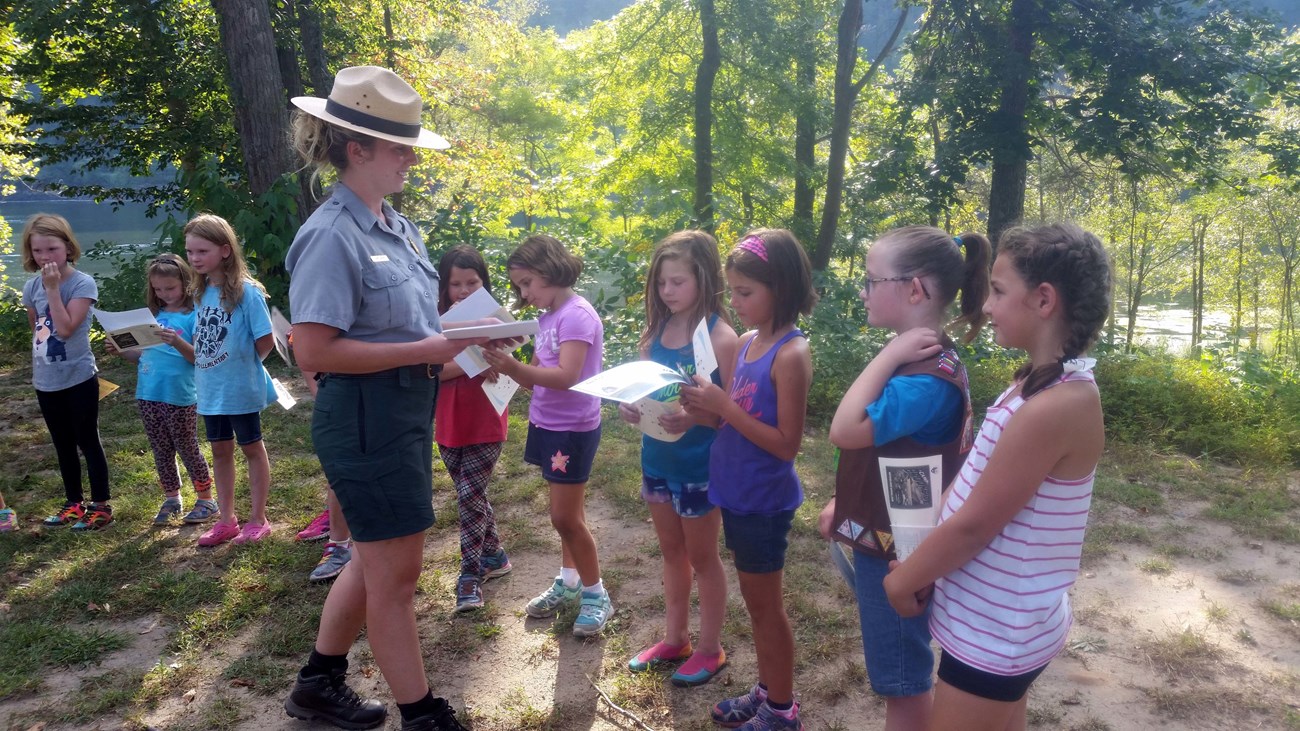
pixel 58 301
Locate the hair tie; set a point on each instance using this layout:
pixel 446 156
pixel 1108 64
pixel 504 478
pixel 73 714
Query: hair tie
pixel 957 240
pixel 1074 365
pixel 754 245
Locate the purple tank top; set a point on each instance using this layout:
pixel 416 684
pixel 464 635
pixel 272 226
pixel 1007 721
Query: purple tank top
pixel 744 478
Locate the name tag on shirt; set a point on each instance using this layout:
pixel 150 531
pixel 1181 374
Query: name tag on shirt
pixel 379 258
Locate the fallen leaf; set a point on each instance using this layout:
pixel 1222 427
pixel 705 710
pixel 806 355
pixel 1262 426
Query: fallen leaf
pixel 40 726
pixel 92 607
pixel 241 683
pixel 189 695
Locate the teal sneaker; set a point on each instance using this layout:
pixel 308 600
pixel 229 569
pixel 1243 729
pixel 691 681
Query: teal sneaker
pixel 170 510
pixel 8 520
pixel 593 614
pixel 549 602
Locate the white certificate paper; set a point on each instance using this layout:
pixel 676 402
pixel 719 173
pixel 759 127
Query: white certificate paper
pixel 131 329
pixel 706 361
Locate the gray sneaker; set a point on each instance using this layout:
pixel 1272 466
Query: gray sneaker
pixel 593 614
pixel 331 563
pixel 549 602
pixel 202 511
pixel 170 510
pixel 498 564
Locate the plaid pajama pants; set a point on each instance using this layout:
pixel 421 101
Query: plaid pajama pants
pixel 470 468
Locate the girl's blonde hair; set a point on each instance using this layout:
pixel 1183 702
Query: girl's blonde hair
pixel 48 224
pixel 214 228
pixel 322 145
pixel 173 267
pixel 699 251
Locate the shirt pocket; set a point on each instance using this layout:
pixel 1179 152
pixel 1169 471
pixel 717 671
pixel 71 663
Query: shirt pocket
pixel 386 302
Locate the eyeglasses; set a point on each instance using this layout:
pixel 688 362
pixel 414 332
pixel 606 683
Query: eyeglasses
pixel 869 281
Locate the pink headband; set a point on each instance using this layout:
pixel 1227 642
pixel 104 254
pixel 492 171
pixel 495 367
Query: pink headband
pixel 754 245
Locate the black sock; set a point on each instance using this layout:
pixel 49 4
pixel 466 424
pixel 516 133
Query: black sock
pixel 780 706
pixel 319 664
pixel 427 705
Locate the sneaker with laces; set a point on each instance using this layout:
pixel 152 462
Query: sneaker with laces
pixel 734 712
pixel 769 719
pixel 498 564
pixel 218 534
pixel 469 593
pixel 98 516
pixel 329 698
pixel 69 514
pixel 317 529
pixel 170 510
pixel 658 654
pixel 594 612
pixel 549 602
pixel 443 719
pixel 331 562
pixel 8 520
pixel 202 511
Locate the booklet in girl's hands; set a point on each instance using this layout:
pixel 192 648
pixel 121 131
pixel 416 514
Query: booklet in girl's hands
pixel 630 382
pixel 131 329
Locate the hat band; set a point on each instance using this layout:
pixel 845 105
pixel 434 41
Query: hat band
pixel 370 121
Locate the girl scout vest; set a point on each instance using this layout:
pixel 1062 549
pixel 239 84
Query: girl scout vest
pixel 861 510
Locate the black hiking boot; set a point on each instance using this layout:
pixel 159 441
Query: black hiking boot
pixel 328 698
pixel 443 719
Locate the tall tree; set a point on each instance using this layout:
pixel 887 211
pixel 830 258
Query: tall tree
pixel 705 74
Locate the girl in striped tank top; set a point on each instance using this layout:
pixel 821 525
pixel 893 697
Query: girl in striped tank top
pixel 999 566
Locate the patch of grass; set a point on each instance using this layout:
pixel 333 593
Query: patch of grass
pixel 32 647
pixel 1156 566
pixel 1259 505
pixel 1131 493
pixel 1185 703
pixel 261 675
pixel 1285 606
pixel 1092 724
pixel 1217 613
pixel 1048 716
pixel 1183 654
pixel 1239 576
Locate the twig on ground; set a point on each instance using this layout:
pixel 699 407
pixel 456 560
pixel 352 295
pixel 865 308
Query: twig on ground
pixel 630 715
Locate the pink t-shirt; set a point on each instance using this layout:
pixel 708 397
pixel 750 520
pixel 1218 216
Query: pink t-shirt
pixel 564 410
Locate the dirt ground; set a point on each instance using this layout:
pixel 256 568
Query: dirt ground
pixel 1157 643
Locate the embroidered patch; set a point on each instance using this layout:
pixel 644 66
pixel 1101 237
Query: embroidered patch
pixel 948 362
pixel 850 530
pixel 866 540
pixel 886 540
pixel 559 462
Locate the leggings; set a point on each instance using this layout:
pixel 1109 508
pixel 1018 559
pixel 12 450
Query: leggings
pixel 470 468
pixel 72 416
pixel 173 430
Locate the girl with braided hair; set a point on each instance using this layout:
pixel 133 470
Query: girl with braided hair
pixel 997 570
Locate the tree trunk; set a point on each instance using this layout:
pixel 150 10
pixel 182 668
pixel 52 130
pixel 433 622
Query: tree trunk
pixel 705 73
pixel 397 199
pixel 805 142
pixel 1237 314
pixel 1011 151
pixel 313 48
pixel 846 97
pixel 256 90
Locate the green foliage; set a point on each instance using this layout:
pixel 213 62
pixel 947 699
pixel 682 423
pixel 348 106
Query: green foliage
pixel 840 341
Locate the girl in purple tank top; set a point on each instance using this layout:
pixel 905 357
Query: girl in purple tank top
pixel 751 463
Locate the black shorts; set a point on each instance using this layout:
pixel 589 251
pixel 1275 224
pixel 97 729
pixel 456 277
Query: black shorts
pixel 757 542
pixel 564 456
pixel 374 439
pixel 1005 688
pixel 245 429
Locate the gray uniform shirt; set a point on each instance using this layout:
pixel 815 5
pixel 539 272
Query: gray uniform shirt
pixel 370 277
pixel 56 363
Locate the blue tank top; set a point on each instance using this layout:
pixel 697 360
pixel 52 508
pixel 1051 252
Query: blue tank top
pixel 687 459
pixel 744 478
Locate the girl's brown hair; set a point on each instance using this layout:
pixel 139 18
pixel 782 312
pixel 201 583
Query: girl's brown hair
pixel 548 257
pixel 461 256
pixel 214 228
pixel 782 266
pixel 170 266
pixel 48 224
pixel 925 251
pixel 700 252
pixel 1076 264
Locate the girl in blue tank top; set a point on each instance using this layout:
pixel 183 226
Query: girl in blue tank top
pixel 683 287
pixel 751 462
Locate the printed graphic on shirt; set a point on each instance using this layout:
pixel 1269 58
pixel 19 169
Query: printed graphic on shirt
pixel 742 392
pixel 210 331
pixel 559 462
pixel 46 343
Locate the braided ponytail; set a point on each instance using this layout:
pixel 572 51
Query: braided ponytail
pixel 1076 264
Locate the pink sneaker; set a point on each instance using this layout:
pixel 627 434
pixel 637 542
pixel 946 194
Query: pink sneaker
pixel 317 529
pixel 252 533
pixel 219 533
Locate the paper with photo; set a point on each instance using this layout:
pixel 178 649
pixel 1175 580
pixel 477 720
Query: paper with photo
pixel 630 382
pixel 133 329
pixel 477 306
pixel 500 392
pixel 280 331
pixel 651 410
pixel 913 489
pixel 706 361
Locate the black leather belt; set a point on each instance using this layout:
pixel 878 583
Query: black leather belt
pixel 428 371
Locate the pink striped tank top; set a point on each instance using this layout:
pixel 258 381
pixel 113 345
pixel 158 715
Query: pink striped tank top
pixel 1007 611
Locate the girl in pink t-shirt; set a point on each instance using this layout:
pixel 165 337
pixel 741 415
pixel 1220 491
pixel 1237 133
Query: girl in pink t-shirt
pixel 563 425
pixel 470 432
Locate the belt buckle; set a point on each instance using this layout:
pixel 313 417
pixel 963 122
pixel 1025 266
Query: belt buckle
pixel 431 370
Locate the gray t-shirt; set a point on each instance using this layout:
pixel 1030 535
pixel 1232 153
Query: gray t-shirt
pixel 369 277
pixel 57 363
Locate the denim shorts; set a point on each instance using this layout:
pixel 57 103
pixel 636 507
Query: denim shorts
pixel 374 439
pixel 757 542
pixel 1004 688
pixel 689 499
pixel 897 649
pixel 564 456
pixel 243 428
